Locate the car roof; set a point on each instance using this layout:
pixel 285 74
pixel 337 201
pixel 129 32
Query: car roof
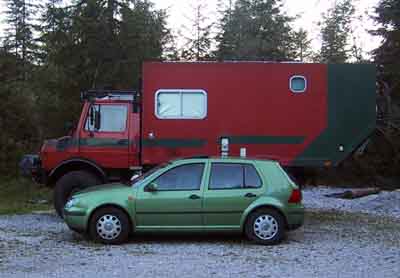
pixel 229 159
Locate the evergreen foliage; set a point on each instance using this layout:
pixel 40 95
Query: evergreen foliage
pixel 198 42
pixel 255 30
pixel 47 58
pixel 88 44
pixel 388 53
pixel 335 31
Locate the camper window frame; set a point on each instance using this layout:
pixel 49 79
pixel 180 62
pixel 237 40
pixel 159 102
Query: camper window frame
pixel 181 92
pixel 298 91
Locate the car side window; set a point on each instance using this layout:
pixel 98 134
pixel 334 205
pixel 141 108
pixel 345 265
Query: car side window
pixel 226 176
pixel 184 177
pixel 233 176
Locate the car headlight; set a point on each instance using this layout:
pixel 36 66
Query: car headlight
pixel 72 202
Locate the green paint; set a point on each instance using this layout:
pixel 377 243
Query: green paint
pixel 197 143
pixel 104 142
pixel 74 213
pixel 351 114
pixel 93 142
pixel 174 143
pixel 215 210
pixel 265 139
pixel 188 212
pixel 66 143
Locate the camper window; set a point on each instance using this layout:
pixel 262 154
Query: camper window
pixel 181 104
pixel 298 84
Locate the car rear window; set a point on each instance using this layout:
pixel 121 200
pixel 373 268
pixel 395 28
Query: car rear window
pixel 252 179
pixel 233 176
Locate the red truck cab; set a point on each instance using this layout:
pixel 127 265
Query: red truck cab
pixel 107 137
pixel 104 146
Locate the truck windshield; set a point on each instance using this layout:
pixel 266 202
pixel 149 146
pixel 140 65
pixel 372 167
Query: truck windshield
pixel 136 180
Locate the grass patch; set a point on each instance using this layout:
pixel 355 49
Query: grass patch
pixel 19 195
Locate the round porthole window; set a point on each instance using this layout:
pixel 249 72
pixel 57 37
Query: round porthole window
pixel 298 84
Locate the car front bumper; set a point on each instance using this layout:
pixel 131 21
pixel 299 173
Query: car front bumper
pixel 76 220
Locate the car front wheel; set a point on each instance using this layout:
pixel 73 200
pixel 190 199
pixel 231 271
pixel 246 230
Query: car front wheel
pixel 265 226
pixel 109 225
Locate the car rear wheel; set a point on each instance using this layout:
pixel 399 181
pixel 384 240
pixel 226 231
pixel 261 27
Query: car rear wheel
pixel 109 225
pixel 70 183
pixel 265 226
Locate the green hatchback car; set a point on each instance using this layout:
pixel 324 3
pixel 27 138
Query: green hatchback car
pixel 254 197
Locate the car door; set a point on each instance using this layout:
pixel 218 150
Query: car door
pixel 177 203
pixel 231 188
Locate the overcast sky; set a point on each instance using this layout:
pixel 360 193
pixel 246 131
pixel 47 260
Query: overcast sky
pixel 309 11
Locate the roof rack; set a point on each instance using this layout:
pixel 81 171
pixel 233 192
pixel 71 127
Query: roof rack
pixel 109 94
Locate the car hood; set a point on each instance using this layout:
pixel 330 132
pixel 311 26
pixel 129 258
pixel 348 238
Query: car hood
pixel 104 188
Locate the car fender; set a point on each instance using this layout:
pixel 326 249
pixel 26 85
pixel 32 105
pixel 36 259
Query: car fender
pixel 263 201
pixel 124 206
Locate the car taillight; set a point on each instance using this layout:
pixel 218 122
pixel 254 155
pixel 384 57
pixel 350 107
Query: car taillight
pixel 295 197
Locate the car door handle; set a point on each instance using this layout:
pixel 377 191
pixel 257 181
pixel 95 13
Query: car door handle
pixel 194 197
pixel 250 195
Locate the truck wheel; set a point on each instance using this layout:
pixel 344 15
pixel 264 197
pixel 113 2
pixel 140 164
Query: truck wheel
pixel 69 184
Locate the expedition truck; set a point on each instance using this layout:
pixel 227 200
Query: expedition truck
pixel 298 114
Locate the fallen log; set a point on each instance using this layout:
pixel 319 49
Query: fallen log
pixel 354 193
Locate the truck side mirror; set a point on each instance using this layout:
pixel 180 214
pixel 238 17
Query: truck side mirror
pixel 91 115
pixel 68 126
pixel 151 187
pixel 97 120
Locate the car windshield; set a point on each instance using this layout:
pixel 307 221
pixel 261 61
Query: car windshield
pixel 137 179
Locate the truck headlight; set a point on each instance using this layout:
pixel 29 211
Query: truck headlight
pixel 72 202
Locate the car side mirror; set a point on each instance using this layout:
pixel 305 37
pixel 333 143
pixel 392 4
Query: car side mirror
pixel 151 187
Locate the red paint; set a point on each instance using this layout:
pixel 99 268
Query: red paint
pixel 106 157
pixel 244 99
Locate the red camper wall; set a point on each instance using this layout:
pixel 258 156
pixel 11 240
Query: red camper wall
pixel 248 102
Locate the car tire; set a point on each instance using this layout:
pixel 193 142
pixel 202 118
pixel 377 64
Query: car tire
pixel 70 183
pixel 265 226
pixel 109 225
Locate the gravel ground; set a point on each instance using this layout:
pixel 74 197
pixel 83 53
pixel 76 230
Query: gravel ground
pixel 386 203
pixel 331 244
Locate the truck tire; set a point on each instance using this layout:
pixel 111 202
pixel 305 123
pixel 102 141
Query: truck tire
pixel 69 184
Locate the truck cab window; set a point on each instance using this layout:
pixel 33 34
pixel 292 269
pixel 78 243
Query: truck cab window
pixel 112 118
pixel 181 104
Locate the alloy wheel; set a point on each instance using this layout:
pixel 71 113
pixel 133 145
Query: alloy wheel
pixel 265 227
